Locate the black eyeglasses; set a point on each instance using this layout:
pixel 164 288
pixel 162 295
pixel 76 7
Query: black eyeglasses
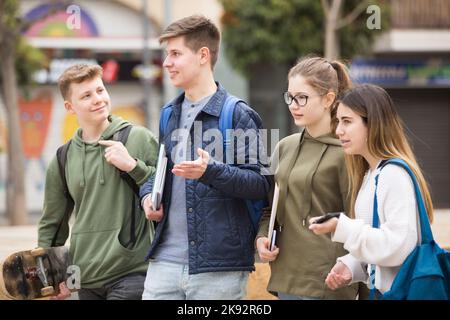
pixel 300 99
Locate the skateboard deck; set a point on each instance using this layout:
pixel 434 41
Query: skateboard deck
pixel 34 274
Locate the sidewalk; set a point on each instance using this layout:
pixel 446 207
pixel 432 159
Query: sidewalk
pixel 18 238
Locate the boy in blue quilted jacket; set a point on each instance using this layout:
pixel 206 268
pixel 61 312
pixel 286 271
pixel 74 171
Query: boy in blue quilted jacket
pixel 203 246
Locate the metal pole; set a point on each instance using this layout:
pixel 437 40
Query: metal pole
pixel 169 90
pixel 151 110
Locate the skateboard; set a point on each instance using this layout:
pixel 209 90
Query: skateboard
pixel 34 274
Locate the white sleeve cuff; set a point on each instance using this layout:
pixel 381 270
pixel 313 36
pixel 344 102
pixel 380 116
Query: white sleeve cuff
pixel 345 227
pixel 143 199
pixel 357 268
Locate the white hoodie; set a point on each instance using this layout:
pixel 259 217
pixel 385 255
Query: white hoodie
pixel 389 245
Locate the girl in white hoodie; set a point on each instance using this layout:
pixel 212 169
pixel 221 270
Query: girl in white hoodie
pixel 370 131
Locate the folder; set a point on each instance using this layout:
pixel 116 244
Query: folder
pixel 273 240
pixel 272 233
pixel 160 176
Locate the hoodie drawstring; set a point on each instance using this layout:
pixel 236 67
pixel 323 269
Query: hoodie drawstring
pixel 83 160
pixel 102 170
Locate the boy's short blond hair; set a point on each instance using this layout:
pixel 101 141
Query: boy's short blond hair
pixel 77 74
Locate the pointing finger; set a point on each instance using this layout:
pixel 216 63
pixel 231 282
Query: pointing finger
pixel 107 143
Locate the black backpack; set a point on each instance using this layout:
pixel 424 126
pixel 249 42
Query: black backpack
pixel 61 155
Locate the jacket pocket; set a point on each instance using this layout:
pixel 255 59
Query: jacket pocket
pixel 221 232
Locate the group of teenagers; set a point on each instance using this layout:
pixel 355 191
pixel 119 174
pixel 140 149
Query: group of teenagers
pixel 201 243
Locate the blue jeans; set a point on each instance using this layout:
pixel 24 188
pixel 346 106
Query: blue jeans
pixel 172 281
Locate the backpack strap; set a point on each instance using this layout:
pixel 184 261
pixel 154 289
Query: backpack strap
pixel 254 207
pixel 164 119
pixel 425 228
pixel 122 136
pixel 61 157
pixel 226 124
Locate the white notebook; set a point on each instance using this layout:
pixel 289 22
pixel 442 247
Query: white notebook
pixel 272 233
pixel 160 175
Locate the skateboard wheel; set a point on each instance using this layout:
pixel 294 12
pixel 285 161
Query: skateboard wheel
pixel 47 291
pixel 37 252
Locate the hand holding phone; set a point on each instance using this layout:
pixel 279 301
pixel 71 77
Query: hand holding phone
pixel 327 217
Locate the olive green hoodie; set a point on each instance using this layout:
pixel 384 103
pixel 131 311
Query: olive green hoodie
pixel 103 206
pixel 313 180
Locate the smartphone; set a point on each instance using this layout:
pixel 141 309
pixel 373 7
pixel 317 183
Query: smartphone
pixel 327 217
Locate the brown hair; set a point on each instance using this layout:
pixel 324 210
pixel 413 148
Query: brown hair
pixel 198 31
pixel 386 138
pixel 324 77
pixel 77 74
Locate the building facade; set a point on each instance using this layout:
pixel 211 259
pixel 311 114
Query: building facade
pixel 412 62
pixel 115 34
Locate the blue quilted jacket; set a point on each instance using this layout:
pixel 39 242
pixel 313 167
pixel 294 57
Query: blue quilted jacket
pixel 220 233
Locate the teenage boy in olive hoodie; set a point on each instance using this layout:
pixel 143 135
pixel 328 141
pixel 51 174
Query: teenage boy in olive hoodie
pixel 112 266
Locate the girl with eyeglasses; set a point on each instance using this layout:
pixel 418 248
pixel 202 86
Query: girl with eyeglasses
pixel 312 179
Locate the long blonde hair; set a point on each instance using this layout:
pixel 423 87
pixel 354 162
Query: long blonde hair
pixel 386 138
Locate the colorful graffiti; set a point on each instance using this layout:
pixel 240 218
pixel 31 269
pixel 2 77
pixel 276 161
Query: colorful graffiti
pixel 35 117
pixel 55 25
pixel 34 123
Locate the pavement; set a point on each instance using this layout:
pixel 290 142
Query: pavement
pixel 18 238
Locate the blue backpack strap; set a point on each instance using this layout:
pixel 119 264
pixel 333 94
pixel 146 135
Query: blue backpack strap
pixel 375 224
pixel 226 124
pixel 425 228
pixel 255 209
pixel 164 119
